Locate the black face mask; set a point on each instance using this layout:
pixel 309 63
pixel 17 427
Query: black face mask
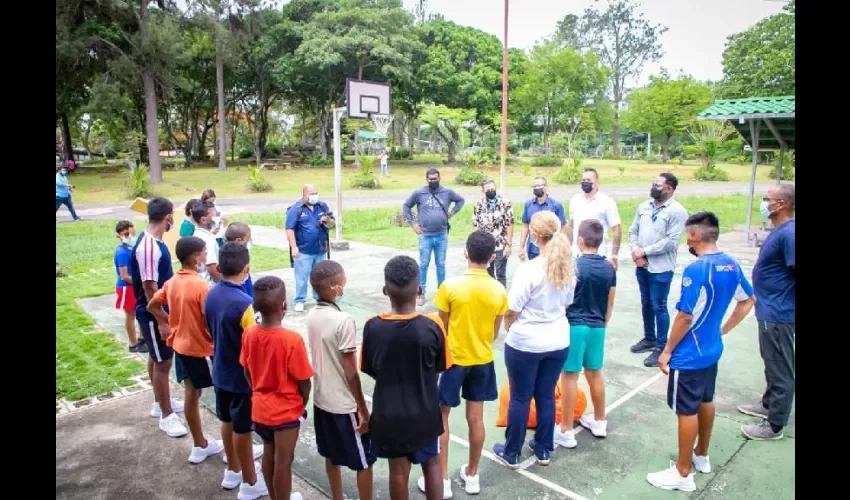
pixel 539 192
pixel 491 195
pixel 692 251
pixel 587 187
pixel 655 193
pixel 433 185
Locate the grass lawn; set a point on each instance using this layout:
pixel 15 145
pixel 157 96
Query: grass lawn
pixel 88 360
pixel 375 225
pixel 95 186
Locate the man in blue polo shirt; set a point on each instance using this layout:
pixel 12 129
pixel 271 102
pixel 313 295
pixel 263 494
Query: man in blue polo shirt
pixel 307 225
pixel 693 350
pixel 774 279
pixel 541 202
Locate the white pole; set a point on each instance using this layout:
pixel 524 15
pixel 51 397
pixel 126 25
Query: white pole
pixel 648 145
pixel 337 115
pixel 755 128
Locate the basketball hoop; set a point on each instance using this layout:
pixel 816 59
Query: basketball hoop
pixel 382 123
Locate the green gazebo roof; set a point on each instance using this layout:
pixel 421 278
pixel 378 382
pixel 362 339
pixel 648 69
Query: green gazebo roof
pixel 369 135
pixel 775 116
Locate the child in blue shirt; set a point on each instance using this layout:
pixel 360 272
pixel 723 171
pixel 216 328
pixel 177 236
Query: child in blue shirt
pixel 126 300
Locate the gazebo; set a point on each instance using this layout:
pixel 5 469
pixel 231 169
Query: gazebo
pixel 371 139
pixel 751 117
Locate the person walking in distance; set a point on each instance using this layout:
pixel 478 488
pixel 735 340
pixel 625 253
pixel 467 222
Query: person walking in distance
pixel 495 215
pixel 774 279
pixel 433 203
pixel 594 204
pixel 654 242
pixel 307 224
pixel 540 203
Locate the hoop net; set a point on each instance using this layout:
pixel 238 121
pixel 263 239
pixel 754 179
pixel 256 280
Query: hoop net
pixel 382 123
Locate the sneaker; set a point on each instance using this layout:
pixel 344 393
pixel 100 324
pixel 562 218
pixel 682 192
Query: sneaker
pixel 543 457
pixel 140 348
pixel 755 410
pixel 471 484
pixel 644 345
pixel 258 452
pixel 231 480
pixel 701 464
pixel 173 426
pixel 198 455
pixel 599 428
pixel 420 301
pixel 258 489
pixel 651 361
pixel 296 496
pixel 176 406
pixel 299 307
pixel 670 479
pixel 761 432
pixel 511 462
pixel 567 439
pixel 447 487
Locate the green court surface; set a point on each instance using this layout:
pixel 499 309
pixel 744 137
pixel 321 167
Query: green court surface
pixel 641 427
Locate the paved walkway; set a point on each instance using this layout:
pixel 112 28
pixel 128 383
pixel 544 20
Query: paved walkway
pixel 359 199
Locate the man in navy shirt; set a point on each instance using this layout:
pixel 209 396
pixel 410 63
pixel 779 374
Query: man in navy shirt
pixel 307 224
pixel 691 355
pixel 541 202
pixel 774 279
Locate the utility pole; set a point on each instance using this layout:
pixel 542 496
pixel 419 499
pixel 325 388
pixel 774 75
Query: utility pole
pixel 504 148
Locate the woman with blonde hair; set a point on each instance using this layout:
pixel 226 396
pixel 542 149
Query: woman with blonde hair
pixel 538 339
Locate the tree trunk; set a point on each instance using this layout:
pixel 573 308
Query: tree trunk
pixel 357 147
pixel 258 152
pixel 66 136
pixel 323 133
pixel 149 86
pixel 222 112
pixel 665 147
pixel 411 124
pixel 615 136
pixel 453 146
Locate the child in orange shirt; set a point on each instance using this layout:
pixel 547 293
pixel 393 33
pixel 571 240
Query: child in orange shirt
pixel 279 371
pixel 186 332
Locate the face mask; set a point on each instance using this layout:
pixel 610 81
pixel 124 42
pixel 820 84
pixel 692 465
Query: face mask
pixel 313 199
pixel 692 251
pixel 168 227
pixel 539 192
pixel 129 241
pixel 248 246
pixel 63 172
pixel 587 187
pixel 655 193
pixel 201 269
pixel 433 185
pixel 491 195
pixel 764 209
pixel 341 293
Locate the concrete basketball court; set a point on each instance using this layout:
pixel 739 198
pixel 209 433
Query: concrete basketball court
pixel 641 431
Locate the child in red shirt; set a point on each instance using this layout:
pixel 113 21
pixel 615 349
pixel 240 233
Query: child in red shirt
pixel 279 371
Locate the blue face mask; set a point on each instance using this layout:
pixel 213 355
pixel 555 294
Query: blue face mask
pixel 129 241
pixel 764 208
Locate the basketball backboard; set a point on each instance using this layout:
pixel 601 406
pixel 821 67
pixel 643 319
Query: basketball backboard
pixel 364 98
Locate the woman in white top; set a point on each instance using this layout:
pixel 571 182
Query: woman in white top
pixel 538 339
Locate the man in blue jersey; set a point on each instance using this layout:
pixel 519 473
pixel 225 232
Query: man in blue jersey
pixel 150 268
pixel 694 347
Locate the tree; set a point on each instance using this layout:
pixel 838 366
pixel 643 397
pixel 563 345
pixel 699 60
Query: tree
pixel 666 107
pixel 760 61
pixel 625 41
pixel 447 122
pixel 566 32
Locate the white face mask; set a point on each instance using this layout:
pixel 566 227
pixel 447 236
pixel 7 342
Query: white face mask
pixel 129 240
pixel 248 246
pixel 313 199
pixel 201 269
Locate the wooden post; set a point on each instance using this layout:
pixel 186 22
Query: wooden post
pixel 755 128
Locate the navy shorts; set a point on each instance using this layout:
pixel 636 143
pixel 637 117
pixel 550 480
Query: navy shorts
pixel 338 440
pixel 474 383
pixel 197 370
pixel 266 432
pixel 419 456
pixel 234 408
pixel 687 389
pixel 158 350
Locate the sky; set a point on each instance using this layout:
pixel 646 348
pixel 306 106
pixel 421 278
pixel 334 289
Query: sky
pixel 694 42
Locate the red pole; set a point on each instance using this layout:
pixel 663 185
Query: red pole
pixel 504 148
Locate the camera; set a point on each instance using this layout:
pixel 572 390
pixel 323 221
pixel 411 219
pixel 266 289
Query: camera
pixel 324 225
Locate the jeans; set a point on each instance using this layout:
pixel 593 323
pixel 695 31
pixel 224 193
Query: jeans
pixel 303 265
pixel 776 346
pixel 532 375
pixel 68 203
pixel 654 289
pixel 498 268
pixel 385 170
pixel 439 244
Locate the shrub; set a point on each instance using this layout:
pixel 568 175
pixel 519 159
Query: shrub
pixel 400 154
pixel 621 169
pixel 470 176
pixel 110 153
pixel 612 156
pixel 272 149
pixel 787 168
pixel 258 183
pixel 96 161
pixel 245 152
pixel 568 174
pixel 122 155
pixel 526 169
pixel 711 174
pixel 676 161
pixel 366 177
pixel 651 159
pixel 318 161
pixel 140 184
pixel 547 161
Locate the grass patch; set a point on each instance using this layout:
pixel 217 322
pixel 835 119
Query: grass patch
pixel 89 361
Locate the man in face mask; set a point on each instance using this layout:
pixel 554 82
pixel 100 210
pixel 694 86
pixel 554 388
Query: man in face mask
pixel 63 193
pixel 541 202
pixel 654 242
pixel 307 225
pixel 203 215
pixel 495 214
pixel 593 204
pixel 775 283
pixel 435 205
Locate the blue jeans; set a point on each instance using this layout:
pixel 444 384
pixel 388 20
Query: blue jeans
pixel 654 289
pixel 385 170
pixel 303 265
pixel 68 203
pixel 439 244
pixel 532 375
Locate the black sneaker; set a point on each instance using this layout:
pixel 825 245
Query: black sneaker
pixel 651 361
pixel 644 345
pixel 141 347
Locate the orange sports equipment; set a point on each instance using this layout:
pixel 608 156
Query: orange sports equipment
pixel 505 397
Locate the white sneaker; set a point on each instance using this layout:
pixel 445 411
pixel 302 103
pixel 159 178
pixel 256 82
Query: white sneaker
pixel 296 496
pixel 258 452
pixel 299 307
pixel 176 405
pixel 231 479
pixel 471 484
pixel 447 486
pixel 670 479
pixel 599 428
pixel 566 439
pixel 701 464
pixel 173 426
pixel 420 301
pixel 258 489
pixel 198 455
